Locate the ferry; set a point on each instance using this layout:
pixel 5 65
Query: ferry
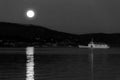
pixel 95 45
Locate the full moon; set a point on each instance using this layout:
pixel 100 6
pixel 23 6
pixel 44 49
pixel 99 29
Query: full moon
pixel 30 14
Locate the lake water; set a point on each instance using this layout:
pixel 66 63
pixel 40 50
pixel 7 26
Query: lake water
pixel 61 64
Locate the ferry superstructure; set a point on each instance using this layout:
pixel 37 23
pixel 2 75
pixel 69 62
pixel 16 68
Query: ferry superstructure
pixel 95 45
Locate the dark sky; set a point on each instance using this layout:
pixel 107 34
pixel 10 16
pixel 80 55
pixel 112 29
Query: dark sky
pixel 74 16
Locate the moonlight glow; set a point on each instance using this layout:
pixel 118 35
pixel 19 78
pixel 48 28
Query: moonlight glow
pixel 30 14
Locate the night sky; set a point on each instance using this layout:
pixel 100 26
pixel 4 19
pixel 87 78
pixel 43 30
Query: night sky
pixel 73 16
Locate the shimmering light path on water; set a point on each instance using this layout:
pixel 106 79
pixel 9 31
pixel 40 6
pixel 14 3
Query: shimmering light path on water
pixel 30 63
pixel 92 63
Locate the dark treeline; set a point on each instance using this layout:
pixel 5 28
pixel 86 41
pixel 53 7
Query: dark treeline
pixel 22 35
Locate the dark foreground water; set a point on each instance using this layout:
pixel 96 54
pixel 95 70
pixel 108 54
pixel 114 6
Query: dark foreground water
pixel 61 64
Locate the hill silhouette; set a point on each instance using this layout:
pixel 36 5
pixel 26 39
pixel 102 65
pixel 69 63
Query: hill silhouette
pixel 29 33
